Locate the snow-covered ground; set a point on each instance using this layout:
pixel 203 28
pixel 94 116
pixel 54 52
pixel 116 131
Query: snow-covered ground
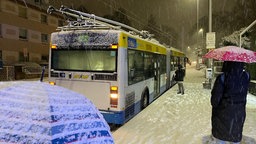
pixel 179 119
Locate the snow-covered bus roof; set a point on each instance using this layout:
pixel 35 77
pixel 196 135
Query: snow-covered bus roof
pixel 79 39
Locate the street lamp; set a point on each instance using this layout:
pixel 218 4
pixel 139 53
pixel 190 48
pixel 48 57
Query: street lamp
pixel 199 49
pixel 188 51
pixel 201 30
pixel 202 38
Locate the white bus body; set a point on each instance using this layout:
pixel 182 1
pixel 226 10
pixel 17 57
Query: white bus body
pixel 119 72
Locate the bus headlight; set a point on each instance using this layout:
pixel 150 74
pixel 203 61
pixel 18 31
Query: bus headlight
pixel 52 83
pixel 53 46
pixel 113 96
pixel 114 46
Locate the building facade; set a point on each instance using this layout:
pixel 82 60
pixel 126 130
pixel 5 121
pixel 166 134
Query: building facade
pixel 25 29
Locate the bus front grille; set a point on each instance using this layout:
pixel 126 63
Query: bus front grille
pixel 54 74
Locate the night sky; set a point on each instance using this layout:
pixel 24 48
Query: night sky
pixel 175 13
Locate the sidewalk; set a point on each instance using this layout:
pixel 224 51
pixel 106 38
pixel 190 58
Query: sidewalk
pixel 179 119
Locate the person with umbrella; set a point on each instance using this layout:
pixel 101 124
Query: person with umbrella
pixel 228 100
pixel 229 93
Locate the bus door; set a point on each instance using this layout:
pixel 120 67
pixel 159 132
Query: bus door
pixel 156 76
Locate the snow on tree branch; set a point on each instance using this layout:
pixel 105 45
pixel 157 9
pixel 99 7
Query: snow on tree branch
pixel 233 39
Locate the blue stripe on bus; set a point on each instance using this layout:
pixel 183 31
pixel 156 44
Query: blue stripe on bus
pixel 114 117
pixel 118 117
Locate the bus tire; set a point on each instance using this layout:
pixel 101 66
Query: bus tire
pixel 144 99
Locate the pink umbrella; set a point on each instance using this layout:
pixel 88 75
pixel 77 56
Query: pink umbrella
pixel 232 53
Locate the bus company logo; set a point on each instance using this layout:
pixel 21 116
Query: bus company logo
pixel 80 76
pixel 132 43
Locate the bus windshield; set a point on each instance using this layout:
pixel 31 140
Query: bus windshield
pixel 84 60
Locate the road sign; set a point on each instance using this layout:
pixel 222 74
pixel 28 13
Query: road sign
pixel 210 40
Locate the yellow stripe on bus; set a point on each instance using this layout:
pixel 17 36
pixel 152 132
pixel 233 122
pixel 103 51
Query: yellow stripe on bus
pixel 176 52
pixel 141 44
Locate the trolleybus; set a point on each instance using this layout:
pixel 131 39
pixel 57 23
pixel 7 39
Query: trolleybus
pixel 119 71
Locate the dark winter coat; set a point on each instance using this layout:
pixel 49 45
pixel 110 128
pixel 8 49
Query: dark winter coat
pixel 228 102
pixel 179 74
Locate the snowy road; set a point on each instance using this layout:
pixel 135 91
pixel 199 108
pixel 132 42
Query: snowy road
pixel 179 119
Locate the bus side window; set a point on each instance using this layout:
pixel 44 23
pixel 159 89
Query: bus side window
pixel 131 68
pixel 148 65
pixel 135 66
pixel 132 73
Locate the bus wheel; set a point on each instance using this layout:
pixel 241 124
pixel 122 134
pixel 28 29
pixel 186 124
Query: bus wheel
pixel 144 100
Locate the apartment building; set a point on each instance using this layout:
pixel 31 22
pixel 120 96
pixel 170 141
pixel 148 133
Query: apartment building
pixel 25 29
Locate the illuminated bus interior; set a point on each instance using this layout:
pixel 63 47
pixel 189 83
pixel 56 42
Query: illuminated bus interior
pixel 84 60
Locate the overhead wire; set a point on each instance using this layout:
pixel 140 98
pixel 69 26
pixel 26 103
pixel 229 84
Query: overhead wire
pixel 111 6
pixel 135 18
pixel 154 28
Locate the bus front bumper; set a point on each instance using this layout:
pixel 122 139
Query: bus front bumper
pixel 114 117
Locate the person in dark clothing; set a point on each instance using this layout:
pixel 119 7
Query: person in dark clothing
pixel 179 77
pixel 228 100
